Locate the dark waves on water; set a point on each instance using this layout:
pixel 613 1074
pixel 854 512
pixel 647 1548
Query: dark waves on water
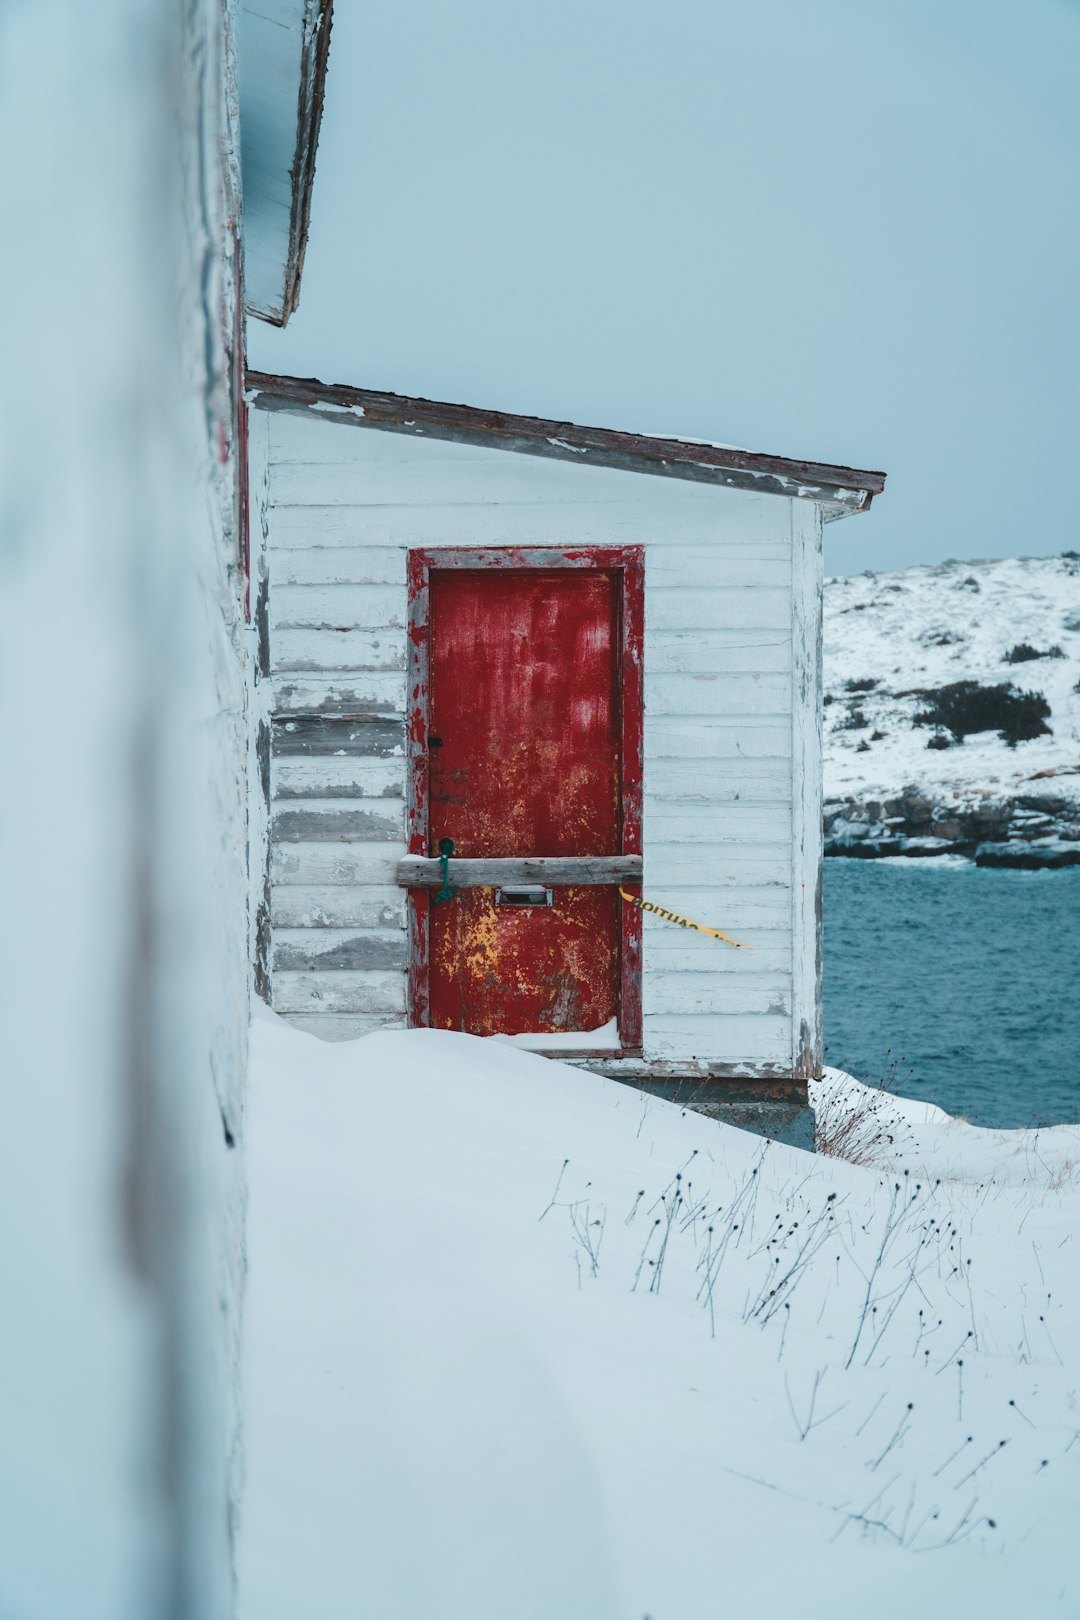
pixel 957 985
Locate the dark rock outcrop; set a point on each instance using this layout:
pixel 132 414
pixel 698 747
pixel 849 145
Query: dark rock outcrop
pixel 1027 830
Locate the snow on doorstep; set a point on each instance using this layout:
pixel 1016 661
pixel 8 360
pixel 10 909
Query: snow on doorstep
pixel 522 1343
pixel 605 1038
pixel 890 637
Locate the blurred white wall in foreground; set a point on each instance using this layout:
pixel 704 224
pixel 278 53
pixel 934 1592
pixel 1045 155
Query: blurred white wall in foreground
pixel 122 862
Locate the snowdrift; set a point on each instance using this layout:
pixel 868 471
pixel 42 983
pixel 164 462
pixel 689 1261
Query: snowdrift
pixel 522 1342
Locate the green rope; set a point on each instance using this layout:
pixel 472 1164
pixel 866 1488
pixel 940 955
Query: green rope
pixel 447 892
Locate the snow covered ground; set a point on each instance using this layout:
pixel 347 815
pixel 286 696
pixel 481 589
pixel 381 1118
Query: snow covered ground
pixel 522 1342
pixel 892 638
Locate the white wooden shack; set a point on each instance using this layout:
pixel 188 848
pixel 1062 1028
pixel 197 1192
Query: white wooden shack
pixel 366 508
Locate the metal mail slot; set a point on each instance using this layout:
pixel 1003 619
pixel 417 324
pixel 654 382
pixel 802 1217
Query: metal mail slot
pixel 531 895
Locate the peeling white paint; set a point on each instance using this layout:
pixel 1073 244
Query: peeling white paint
pixel 343 410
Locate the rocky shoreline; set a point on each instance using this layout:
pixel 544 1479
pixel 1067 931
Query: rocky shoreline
pixel 952 712
pixel 1028 831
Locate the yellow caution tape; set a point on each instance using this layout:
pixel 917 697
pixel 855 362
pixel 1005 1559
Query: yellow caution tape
pixel 681 922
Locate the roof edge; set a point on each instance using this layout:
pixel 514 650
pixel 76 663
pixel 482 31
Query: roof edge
pixel 840 490
pixel 318 22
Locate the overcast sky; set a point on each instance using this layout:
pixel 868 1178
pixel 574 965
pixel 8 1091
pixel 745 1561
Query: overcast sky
pixel 839 229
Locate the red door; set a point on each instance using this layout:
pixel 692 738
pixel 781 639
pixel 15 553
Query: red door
pixel 526 739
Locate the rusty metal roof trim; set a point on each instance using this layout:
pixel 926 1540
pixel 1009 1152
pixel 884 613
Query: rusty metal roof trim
pixel 840 491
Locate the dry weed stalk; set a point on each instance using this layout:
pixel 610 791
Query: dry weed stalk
pixel 855 1135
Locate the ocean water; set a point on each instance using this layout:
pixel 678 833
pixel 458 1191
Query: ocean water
pixel 957 984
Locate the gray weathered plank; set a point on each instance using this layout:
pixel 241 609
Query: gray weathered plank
pixel 334 734
pixel 293 905
pixel 417 872
pixel 373 821
pixel 370 692
pixel 336 949
pixel 353 777
pixel 713 1081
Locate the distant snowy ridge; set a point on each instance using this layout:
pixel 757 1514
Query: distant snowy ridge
pixel 952 712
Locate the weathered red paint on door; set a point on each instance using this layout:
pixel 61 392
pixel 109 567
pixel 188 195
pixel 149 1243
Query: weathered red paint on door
pixel 524 758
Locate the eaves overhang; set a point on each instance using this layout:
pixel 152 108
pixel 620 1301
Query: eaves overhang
pixel 840 491
pixel 281 49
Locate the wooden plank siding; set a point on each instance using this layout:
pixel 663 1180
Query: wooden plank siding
pixel 730 723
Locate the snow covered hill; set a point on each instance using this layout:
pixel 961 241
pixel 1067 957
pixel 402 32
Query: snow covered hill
pixel 952 711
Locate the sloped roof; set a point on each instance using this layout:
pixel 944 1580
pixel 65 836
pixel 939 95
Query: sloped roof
pixel 839 490
pixel 281 51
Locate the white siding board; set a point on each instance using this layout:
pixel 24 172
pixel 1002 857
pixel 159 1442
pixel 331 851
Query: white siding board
pixel 737 910
pixel 397 470
pixel 672 567
pixel 715 866
pixel 709 608
pixel 743 824
pixel 688 652
pixel 338 906
pixel 668 948
pixel 378 993
pixel 721 695
pixel 343 1026
pixel 716 737
pixel 677 991
pixel 720 1038
pixel 319 651
pixel 338 607
pixel 707 782
pixel 335 863
pixel 632 521
pixel 351 777
pixel 337 565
